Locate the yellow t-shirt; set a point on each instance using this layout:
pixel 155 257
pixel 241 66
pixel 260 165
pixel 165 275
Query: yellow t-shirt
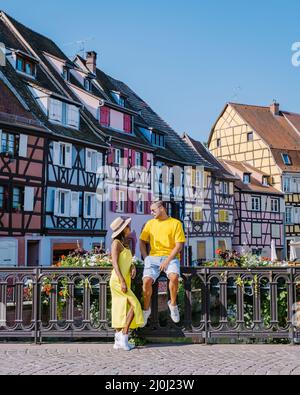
pixel 163 236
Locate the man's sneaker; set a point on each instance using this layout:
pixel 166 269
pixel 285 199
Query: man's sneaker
pixel 174 312
pixel 146 314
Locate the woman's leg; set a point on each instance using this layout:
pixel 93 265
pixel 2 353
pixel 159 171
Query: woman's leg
pixel 129 319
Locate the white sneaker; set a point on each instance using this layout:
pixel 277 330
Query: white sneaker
pixel 146 314
pixel 124 345
pixel 174 313
pixel 117 341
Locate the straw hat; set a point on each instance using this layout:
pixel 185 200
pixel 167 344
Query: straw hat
pixel 118 225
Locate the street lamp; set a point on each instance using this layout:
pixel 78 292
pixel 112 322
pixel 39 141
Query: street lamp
pixel 187 222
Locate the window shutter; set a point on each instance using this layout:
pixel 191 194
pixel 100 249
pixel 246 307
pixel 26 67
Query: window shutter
pixel 23 145
pixel 88 160
pixel 99 161
pixel 0 140
pixel 126 155
pixel 69 156
pixel 127 123
pixel 74 211
pixel 55 110
pixel 98 208
pixel 145 160
pixel 28 199
pixel 231 189
pixel 56 203
pixel 110 156
pixel 193 177
pixel 205 180
pixel 104 116
pixel 133 158
pixel 73 116
pixel 56 149
pixel 113 203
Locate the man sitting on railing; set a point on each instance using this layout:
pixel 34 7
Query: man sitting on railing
pixel 166 238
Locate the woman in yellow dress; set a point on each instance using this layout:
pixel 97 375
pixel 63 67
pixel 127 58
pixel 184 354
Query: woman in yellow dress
pixel 126 309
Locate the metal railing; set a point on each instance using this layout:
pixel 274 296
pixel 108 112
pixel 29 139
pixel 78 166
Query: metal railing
pixel 214 303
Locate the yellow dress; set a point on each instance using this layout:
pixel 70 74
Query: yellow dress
pixel 120 305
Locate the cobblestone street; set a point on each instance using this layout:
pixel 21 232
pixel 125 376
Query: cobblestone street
pixel 101 359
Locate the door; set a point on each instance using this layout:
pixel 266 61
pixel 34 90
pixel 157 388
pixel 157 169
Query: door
pixel 33 253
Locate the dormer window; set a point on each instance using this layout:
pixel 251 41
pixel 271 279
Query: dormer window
pixel 87 84
pixel 265 181
pixel 120 100
pixel 158 139
pixel 66 74
pixel 247 178
pixel 26 66
pixel 286 159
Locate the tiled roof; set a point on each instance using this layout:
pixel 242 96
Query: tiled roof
pixel 255 185
pixel 209 161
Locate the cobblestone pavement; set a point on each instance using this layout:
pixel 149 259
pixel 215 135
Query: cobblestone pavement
pixel 101 359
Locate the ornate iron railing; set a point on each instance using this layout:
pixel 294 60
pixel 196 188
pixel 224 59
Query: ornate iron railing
pixel 215 303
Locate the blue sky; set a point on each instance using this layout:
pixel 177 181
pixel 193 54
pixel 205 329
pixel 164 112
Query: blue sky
pixel 185 58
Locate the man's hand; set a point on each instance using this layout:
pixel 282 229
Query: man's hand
pixel 133 272
pixel 164 266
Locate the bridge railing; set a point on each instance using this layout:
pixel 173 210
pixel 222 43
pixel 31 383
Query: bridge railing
pixel 231 303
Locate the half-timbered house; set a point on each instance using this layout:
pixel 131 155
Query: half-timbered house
pixel 268 139
pixel 22 165
pixel 258 211
pixel 211 225
pixel 73 216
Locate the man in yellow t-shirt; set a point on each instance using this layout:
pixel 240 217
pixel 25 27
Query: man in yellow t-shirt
pixel 166 238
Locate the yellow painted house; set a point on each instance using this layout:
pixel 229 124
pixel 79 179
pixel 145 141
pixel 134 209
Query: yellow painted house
pixel 268 139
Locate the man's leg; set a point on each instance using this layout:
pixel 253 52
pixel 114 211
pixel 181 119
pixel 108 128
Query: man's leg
pixel 173 286
pixel 147 291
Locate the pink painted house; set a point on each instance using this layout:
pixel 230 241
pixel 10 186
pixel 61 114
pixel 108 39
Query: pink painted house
pixel 259 211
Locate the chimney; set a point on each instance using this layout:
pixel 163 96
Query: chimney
pixel 91 61
pixel 274 108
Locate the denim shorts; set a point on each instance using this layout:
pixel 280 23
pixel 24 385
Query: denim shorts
pixel 152 267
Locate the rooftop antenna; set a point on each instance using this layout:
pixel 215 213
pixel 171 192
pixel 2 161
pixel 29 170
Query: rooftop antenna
pixel 81 44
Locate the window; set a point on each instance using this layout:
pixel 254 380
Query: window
pixel 18 198
pixel 275 205
pixel 223 216
pixel 197 214
pixel 257 251
pixel 265 181
pixel 286 159
pixel 87 84
pixel 25 66
pixel 140 204
pixel 198 178
pixel 93 160
pixel 89 205
pixel 250 136
pixel 247 178
pixel 118 156
pixel 286 184
pixel 138 159
pixel 289 215
pixel 275 231
pixel 62 154
pixel 1 197
pixel 255 203
pixel 256 230
pixel 120 207
pixel 224 188
pixel 9 143
pixel 62 203
pixel 218 143
pixel 66 74
pixel 158 139
pixel 63 113
pixel 119 99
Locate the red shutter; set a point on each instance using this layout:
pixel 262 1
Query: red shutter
pixel 113 202
pixel 104 116
pixel 127 123
pixel 110 156
pixel 126 155
pixel 148 204
pixel 132 158
pixel 145 160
